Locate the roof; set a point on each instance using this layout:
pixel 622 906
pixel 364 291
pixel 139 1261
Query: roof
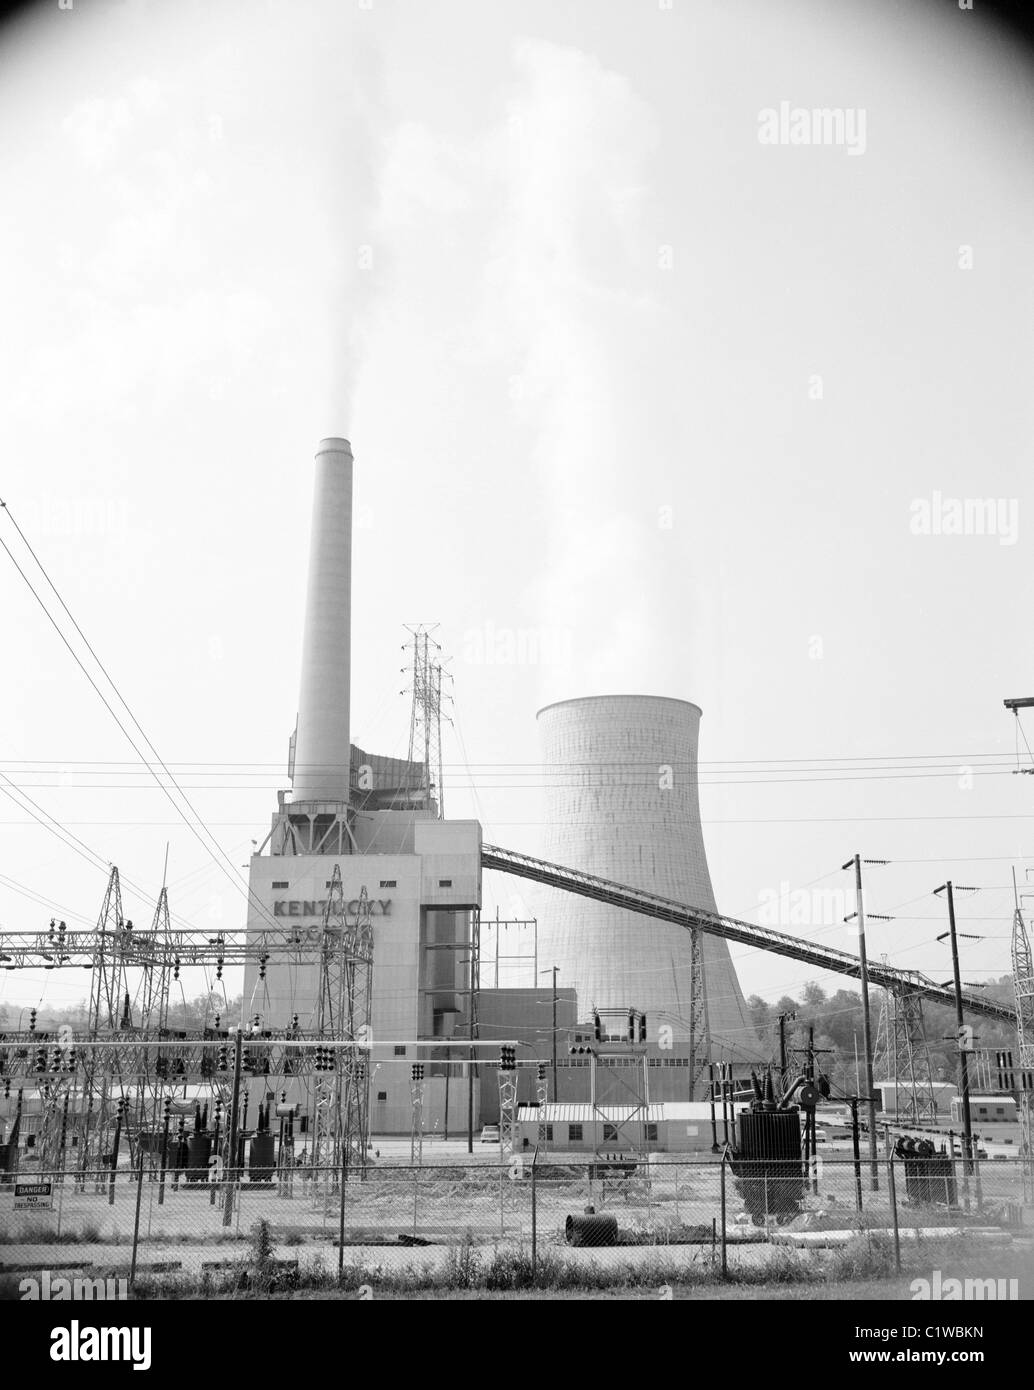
pixel 584 1113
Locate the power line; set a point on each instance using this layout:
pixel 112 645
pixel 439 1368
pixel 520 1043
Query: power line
pixel 231 873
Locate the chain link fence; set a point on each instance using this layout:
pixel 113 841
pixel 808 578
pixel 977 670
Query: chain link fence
pixel 418 1225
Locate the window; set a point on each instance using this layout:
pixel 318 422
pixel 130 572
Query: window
pixel 651 1134
pixel 382 1095
pixel 400 1050
pixel 281 883
pixel 389 883
pixel 574 1134
pixel 549 1134
pixel 445 883
pixel 610 1134
pixel 999 1109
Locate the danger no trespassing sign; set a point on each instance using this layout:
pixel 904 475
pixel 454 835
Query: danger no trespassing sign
pixel 33 1196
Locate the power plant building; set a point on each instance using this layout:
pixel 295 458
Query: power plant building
pixel 375 820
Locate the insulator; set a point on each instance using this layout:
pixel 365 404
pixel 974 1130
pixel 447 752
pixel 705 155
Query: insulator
pixel 32 1020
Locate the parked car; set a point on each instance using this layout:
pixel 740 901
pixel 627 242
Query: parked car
pixel 490 1134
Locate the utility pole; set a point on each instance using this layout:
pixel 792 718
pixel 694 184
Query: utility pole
pixel 783 1020
pixel 863 969
pixel 967 1122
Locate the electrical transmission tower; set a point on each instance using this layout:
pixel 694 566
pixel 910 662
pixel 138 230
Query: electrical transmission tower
pixel 699 1024
pixel 416 1129
pixel 903 1053
pixel 541 1101
pixel 108 984
pixel 425 723
pixel 342 1100
pixel 154 1011
pixel 507 1101
pixel 1023 983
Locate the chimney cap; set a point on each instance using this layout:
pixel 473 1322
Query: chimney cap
pixel 334 445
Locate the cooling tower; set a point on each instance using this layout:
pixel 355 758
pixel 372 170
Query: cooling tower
pixel 621 802
pixel 321 754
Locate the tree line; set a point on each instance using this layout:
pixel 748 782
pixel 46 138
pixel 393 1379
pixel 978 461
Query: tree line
pixel 837 1021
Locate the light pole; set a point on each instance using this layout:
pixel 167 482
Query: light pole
pixel 552 970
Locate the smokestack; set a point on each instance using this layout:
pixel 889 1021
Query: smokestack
pixel 321 755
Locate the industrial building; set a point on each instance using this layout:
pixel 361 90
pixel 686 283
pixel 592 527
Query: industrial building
pixel 668 1126
pixel 896 1096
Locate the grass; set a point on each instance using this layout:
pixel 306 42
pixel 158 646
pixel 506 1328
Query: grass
pixel 863 1269
pixel 464 1268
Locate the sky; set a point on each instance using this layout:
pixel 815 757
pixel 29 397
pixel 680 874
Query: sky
pixel 640 401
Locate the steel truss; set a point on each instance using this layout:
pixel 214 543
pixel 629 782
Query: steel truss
pixel 729 928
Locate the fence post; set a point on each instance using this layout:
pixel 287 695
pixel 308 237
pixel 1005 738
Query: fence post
pixel 136 1219
pixel 725 1253
pixel 534 1218
pixel 894 1212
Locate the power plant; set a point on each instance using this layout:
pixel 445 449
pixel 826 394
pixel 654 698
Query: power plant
pixel 365 1009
